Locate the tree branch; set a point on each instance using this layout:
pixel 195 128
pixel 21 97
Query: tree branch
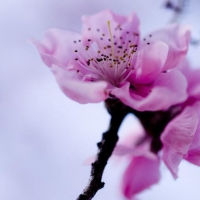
pixel 118 111
pixel 177 8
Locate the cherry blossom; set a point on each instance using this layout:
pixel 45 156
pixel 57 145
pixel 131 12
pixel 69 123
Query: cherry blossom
pixel 180 140
pixel 109 59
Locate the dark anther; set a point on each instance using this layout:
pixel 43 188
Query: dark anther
pixel 109 40
pixel 89 29
pixel 75 51
pixel 99 59
pixel 127 32
pixel 150 35
pixel 120 47
pixel 88 62
pixel 89 40
pixel 76 58
pixel 101 38
pixel 79 40
pixel 98 30
pixel 74 41
pixel 148 43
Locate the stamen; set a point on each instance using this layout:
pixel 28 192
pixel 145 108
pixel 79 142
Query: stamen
pixel 111 38
pixel 101 61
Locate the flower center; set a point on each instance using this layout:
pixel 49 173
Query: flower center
pixel 108 57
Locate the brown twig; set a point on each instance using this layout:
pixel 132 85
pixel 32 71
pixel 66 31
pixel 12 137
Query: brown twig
pixel 118 111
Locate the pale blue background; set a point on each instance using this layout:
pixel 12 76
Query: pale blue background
pixel 44 136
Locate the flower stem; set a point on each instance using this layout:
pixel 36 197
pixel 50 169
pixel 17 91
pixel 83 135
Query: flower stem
pixel 109 139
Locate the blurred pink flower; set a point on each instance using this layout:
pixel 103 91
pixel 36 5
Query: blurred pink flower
pixel 109 60
pixel 180 139
pixel 143 170
pixel 141 173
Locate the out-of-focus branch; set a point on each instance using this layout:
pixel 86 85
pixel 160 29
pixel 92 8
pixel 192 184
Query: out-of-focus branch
pixel 118 111
pixel 195 41
pixel 177 8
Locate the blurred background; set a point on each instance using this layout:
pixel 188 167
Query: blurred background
pixel 45 138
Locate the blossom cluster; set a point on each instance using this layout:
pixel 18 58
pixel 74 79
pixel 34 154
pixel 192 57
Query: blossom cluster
pixel 110 59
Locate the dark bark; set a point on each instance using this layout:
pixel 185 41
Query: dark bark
pixel 117 111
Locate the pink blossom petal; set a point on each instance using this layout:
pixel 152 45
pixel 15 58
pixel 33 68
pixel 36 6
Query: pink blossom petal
pixel 196 140
pixel 139 150
pixel 177 37
pixel 168 89
pixel 177 138
pixel 58 46
pixel 193 156
pixel 80 91
pixel 192 76
pixel 150 62
pixel 95 28
pixel 194 83
pixel 141 173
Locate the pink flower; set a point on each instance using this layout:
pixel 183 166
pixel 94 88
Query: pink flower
pixel 137 177
pixel 143 170
pixel 181 137
pixel 180 140
pixel 109 60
